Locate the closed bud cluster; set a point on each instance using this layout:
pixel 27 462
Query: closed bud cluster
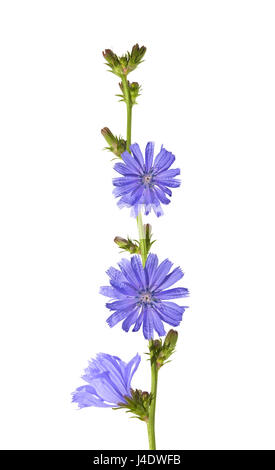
pixel 134 89
pixel 125 64
pixel 138 404
pixel 127 245
pixel 160 352
pixel 117 145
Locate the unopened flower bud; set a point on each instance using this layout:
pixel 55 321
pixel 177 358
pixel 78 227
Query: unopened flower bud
pixel 112 61
pixel 155 347
pixel 171 340
pixel 127 245
pixel 156 344
pixel 108 136
pixel 160 352
pixel 135 89
pixel 145 395
pixel 121 242
pixel 117 145
pixel 136 57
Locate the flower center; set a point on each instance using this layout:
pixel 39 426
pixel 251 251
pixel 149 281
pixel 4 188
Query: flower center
pixel 147 178
pixel 145 297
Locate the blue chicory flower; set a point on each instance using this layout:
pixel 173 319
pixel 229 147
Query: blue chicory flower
pixel 141 296
pixel 109 381
pixel 145 184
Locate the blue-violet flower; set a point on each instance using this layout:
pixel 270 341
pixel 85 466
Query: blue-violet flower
pixel 145 184
pixel 141 296
pixel 109 381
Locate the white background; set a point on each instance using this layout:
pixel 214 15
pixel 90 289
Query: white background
pixel 208 96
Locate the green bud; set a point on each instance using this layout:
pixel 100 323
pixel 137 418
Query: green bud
pixel 160 352
pixel 117 145
pixel 136 57
pixel 113 62
pixel 127 245
pixel 108 136
pixel 168 348
pixel 155 347
pixel 156 344
pixel 171 340
pixel 134 89
pixel 138 404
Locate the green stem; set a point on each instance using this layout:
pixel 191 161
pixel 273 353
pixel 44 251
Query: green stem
pixel 142 240
pixel 129 111
pixel 152 412
pixel 128 143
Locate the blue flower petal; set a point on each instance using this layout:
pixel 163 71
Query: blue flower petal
pixel 124 170
pixel 149 155
pixel 164 188
pixel 130 162
pixel 150 267
pixel 147 324
pixel 160 194
pixel 86 396
pixel 165 174
pixel 127 270
pixel 139 321
pixel 172 309
pixel 157 323
pixel 138 270
pixel 108 291
pixel 171 183
pixel 171 279
pixel 116 317
pixel 163 160
pixel 175 293
pixel 124 289
pixel 131 368
pixel 123 304
pixel 115 274
pixel 137 155
pixel 157 209
pixel 130 320
pixel 160 273
pixel 125 181
pixel 126 189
